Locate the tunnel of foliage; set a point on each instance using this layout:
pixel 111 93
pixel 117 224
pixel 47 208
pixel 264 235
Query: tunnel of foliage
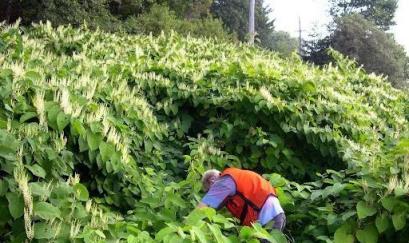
pixel 103 138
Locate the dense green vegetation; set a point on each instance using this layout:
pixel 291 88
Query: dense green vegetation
pixel 104 137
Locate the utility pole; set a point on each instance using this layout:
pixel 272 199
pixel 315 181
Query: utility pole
pixel 299 37
pixel 252 4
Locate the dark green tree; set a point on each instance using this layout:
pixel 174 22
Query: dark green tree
pixel 60 12
pixel 191 9
pixel 162 19
pixel 359 39
pixel 234 14
pixel 381 12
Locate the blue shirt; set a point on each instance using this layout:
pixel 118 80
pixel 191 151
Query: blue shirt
pixel 225 186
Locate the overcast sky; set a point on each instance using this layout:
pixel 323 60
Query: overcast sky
pixel 314 15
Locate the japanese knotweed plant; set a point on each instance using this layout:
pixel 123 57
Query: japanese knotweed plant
pixel 104 137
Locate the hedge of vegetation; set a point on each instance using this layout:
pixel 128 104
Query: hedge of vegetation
pixel 103 138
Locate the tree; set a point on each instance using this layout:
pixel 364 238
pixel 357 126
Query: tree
pixel 161 19
pixel 360 39
pixel 381 12
pixel 234 14
pixel 283 43
pixel 191 9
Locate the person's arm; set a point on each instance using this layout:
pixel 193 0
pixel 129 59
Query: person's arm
pixel 218 192
pixel 202 205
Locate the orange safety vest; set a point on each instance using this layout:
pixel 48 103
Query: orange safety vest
pixel 252 191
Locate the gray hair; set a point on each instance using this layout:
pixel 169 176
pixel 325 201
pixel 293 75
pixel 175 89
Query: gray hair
pixel 208 178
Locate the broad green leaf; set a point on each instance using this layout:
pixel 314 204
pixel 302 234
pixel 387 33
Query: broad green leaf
pixel 382 222
pixel 52 112
pixel 8 145
pixel 389 203
pixel 43 231
pixel 246 232
pixel 367 235
pixel 81 192
pixel 77 127
pixel 16 204
pixel 364 210
pixel 399 220
pixel 343 235
pixel 93 140
pixel 39 189
pixel 277 180
pixel 199 234
pixel 62 121
pixel 165 232
pixel 83 145
pixel 46 211
pixel 194 217
pixel 278 236
pixel 100 234
pixel 37 170
pixel 32 75
pixel 176 200
pixel 27 116
pixel 107 150
pixel 62 191
pixel 218 236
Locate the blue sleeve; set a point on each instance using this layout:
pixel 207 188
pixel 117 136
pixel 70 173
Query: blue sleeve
pixel 221 189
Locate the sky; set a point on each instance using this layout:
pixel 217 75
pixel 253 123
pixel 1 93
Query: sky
pixel 314 17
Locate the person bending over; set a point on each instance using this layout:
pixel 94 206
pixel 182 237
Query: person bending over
pixel 247 196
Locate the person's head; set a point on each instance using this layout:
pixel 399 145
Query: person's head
pixel 208 179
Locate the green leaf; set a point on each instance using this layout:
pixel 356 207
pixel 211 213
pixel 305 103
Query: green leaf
pixel 106 150
pixel 382 222
pixel 399 220
pixel 16 204
pixel 343 235
pixel 81 192
pixel 195 217
pixel 93 140
pixel 32 75
pixel 176 200
pixel 62 121
pixel 36 170
pixel 199 234
pixel 43 231
pixel 78 128
pixel 220 238
pixel 100 234
pixel 8 145
pixel 246 232
pixel 364 210
pixel 277 180
pixel 52 112
pixel 165 232
pixel 39 189
pixel 3 187
pixel 27 116
pixel 46 211
pixel 83 145
pixel 389 203
pixel 278 236
pixel 368 235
